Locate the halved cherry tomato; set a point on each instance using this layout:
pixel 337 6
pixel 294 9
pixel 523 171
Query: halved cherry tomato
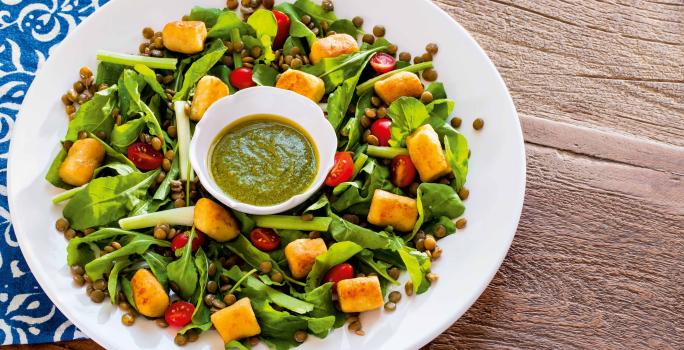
pixel 283 28
pixel 179 314
pixel 342 170
pixel 241 78
pixel 181 240
pixel 337 273
pixel 144 156
pixel 381 129
pixel 403 171
pixel 383 63
pixel 265 239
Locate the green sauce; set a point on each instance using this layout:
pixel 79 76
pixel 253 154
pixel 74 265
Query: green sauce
pixel 263 160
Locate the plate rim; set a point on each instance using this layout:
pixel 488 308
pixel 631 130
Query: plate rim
pixel 421 341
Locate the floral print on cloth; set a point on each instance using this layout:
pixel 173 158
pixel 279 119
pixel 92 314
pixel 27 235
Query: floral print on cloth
pixel 29 29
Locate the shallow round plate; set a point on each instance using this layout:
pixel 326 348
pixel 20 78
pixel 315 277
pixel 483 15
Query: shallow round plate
pixel 471 257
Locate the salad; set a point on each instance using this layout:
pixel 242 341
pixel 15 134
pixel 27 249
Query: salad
pixel 144 234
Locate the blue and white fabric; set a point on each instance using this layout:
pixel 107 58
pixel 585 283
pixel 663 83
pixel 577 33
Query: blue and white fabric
pixel 29 29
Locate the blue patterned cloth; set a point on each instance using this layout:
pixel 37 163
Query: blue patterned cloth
pixel 28 30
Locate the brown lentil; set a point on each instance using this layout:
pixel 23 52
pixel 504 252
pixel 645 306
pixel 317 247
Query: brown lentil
pixel 300 336
pixel 408 288
pixel 463 193
pixel 253 341
pixel 166 164
pixel 379 31
pixel 212 286
pixel 456 122
pixel 382 112
pixel 368 39
pixel 420 244
pixel 127 319
pixel 417 60
pixel 432 277
pixel 430 243
pixel 255 4
pixel 373 140
pixel 229 299
pixel 160 234
pixel 394 272
pixel 370 113
pixel 268 4
pixel 211 271
pixel 426 97
pixel 180 339
pixel 437 253
pixel 108 249
pixel 232 4
pixel 432 48
pixel 62 224
pixel 358 21
pixel 405 56
pixel 172 131
pixel 97 296
pixel 306 19
pixel 85 72
pixel 78 279
pixel 328 5
pixel 426 57
pixel 478 124
pixel 69 233
pixel 354 326
pixel 193 336
pixel 440 231
pixel 394 296
pixel 390 306
pixel 461 223
pixel 265 266
pixel 375 101
pixel 307 217
pixel 277 277
pixel 430 74
pixel 209 299
pixel 161 323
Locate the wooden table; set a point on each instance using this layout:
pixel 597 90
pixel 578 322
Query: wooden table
pixel 598 258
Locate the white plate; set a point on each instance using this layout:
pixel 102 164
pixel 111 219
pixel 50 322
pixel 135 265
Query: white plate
pixel 471 257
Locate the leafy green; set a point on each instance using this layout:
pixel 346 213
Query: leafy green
pixel 292 42
pixel 107 199
pixel 246 222
pixel 199 68
pixel 94 115
pixel 254 288
pixel 114 279
pixel 456 149
pixel 112 154
pixel 222 72
pixel 337 253
pixel 407 115
pixel 353 128
pixel 108 73
pixel 128 291
pixel 201 313
pixel 339 100
pixel 335 70
pixel 316 11
pixel 264 75
pixel 183 271
pixel 202 327
pixel 297 28
pixel 151 79
pixel 126 134
pixel 52 175
pixel 418 265
pixel 225 23
pixel 243 248
pixel 342 230
pixel 131 81
pixel 208 15
pixel 236 345
pixel 157 264
pixel 266 27
pixel 346 26
pixel 377 177
pixel 116 168
pixel 366 257
pixel 368 84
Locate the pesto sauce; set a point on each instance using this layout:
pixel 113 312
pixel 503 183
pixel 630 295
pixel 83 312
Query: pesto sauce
pixel 263 160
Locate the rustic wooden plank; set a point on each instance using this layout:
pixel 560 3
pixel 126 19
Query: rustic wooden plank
pixel 606 64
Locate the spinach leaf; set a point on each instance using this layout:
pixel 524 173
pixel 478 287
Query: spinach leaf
pixel 353 128
pixel 418 265
pixel 52 175
pixel 297 28
pixel 342 230
pixel 256 289
pixel 157 264
pixel 222 72
pixel 437 90
pixel 278 327
pixel 75 255
pixel 128 291
pixel 243 248
pixel 117 168
pixel 132 83
pixel 126 134
pixel 112 154
pixel 136 244
pixel 434 201
pixel 339 100
pixel 322 300
pixel 448 224
pixel 201 313
pixel 335 70
pixel 408 114
pixel 108 73
pixel 346 26
pixel 183 272
pixel 316 11
pixel 202 327
pixel 377 177
pixel 94 115
pixel 151 79
pixel 200 68
pixel 322 202
pixel 236 345
pixel 266 27
pixel 366 257
pixel 107 199
pixel 337 253
pixel 292 42
pixel 208 15
pixel 225 23
pixel 114 279
pixel 456 149
pixel 264 75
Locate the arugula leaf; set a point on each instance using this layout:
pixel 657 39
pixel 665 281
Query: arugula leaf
pixel 236 345
pixel 114 279
pixel 200 68
pixel 435 201
pixel 132 83
pixel 316 11
pixel 335 70
pixel 225 23
pixel 183 272
pixel 322 300
pixel 117 168
pixel 136 244
pixel 112 154
pixel 158 265
pixel 347 27
pixel 266 27
pixel 418 265
pixel 201 313
pixel 203 327
pixel 256 289
pixel 243 248
pixel 151 79
pixel 264 75
pixel 246 222
pixel 126 134
pixel 339 100
pixel 292 42
pixel 407 115
pixel 456 149
pixel 52 175
pixel 108 73
pixel 222 72
pixel 128 291
pixel 366 257
pixel 107 199
pixel 377 177
pixel 94 115
pixel 337 253
pixel 208 15
pixel 297 28
pixel 353 128
pixel 75 255
pixel 342 230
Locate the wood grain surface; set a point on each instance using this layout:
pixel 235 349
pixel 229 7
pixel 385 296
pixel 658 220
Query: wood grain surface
pixel 597 259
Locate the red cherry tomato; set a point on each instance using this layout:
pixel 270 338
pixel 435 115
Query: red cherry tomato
pixel 403 171
pixel 241 78
pixel 181 240
pixel 179 314
pixel 265 239
pixel 381 129
pixel 144 156
pixel 283 28
pixel 342 170
pixel 383 63
pixel 337 273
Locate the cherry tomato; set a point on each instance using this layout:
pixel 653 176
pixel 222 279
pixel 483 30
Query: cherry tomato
pixel 342 170
pixel 403 171
pixel 283 29
pixel 144 156
pixel 241 78
pixel 383 63
pixel 179 314
pixel 337 273
pixel 381 129
pixel 181 240
pixel 265 239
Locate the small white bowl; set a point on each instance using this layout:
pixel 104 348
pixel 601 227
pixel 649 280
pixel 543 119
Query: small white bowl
pixel 262 100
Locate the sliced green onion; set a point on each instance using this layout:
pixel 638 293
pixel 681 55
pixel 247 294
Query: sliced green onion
pixel 184 136
pixel 67 194
pixel 287 222
pixel 132 60
pixel 178 216
pixel 386 152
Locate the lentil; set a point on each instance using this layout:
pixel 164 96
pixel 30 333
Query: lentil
pixel 269 4
pixel 430 74
pixel 426 57
pixel 62 224
pixel 328 5
pixel 379 31
pixel 417 60
pixel 394 296
pixel 405 56
pixel 277 277
pixel 193 336
pixel 212 270
pixel 161 323
pixel 456 122
pixel 212 286
pixel 478 124
pixel 463 193
pixel 394 272
pixel 307 217
pixel 232 4
pixel 265 266
pixel 209 299
pixel 368 38
pixel 430 243
pixel 97 296
pixel 408 288
pixel 420 244
pixel 85 72
pixel 461 223
pixel 78 279
pixel 354 326
pixel 382 112
pixel 300 336
pixel 375 101
pixel 127 319
pixel 432 48
pixel 69 233
pixel 229 299
pixel 437 253
pixel 358 21
pixel 426 97
pixel 390 306
pixel 432 277
pixel 180 339
pixel 440 231
pixel 370 113
pixel 392 49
